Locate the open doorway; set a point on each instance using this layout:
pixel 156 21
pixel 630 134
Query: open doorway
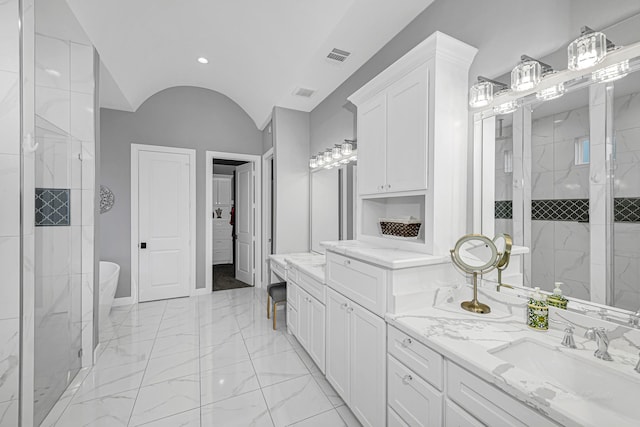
pixel 232 207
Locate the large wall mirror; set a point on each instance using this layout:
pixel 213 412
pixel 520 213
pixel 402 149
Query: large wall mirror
pixel 563 178
pixel 332 205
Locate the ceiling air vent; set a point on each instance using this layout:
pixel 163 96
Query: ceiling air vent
pixel 304 92
pixel 338 55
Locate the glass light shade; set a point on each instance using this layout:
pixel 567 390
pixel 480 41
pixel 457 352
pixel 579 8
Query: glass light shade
pixel 353 158
pixel 335 152
pixel 506 108
pixel 327 156
pixel 328 167
pixel 526 75
pixel 344 161
pixel 587 51
pixel 313 162
pixel 480 94
pixel 553 92
pixel 320 159
pixel 611 73
pixel 346 148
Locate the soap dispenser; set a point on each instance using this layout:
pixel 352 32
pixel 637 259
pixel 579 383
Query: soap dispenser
pixel 537 312
pixel 557 299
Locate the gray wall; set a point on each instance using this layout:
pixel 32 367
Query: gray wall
pixel 291 181
pixel 186 117
pixel 267 138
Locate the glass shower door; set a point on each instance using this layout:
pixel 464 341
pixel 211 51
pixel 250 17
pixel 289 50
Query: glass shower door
pixel 58 218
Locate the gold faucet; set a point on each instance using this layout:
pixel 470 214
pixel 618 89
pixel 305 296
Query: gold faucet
pixel 503 285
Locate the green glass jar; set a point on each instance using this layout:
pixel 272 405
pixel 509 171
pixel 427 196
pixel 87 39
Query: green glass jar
pixel 537 312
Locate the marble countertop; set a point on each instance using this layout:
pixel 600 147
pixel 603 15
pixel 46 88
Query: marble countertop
pixel 467 339
pixel 308 262
pixel 388 257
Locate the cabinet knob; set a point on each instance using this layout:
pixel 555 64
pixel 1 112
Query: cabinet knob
pixel 407 341
pixel 388 186
pixel 407 378
pixel 349 310
pixel 345 305
pixel 347 262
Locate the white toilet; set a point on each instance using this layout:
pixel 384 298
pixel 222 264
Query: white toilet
pixel 109 273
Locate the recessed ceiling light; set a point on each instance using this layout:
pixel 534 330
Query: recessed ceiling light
pixel 203 60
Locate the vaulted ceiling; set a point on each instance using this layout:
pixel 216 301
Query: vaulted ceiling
pixel 260 52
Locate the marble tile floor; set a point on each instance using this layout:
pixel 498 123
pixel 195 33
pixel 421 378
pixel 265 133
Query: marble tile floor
pixel 210 360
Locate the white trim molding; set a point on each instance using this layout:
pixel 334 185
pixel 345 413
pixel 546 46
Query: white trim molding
pixel 257 237
pixel 135 151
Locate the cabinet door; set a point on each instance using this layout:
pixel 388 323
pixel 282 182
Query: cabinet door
pixel 224 191
pixel 368 366
pixel 372 136
pixel 407 136
pixel 304 318
pixel 316 347
pixel 454 416
pixel 337 366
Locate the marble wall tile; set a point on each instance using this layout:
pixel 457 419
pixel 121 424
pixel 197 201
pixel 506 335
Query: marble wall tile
pixel 542 158
pixel 9 112
pixel 82 116
pixel 627 144
pixel 572 236
pixel 9 359
pixel 9 413
pixel 10 195
pixel 627 179
pixel 10 268
pixel 542 184
pixel 571 124
pixel 53 108
pixel 571 183
pixel 625 111
pixel 82 79
pixel 9 36
pixel 564 154
pixel 572 265
pixel 543 257
pixel 627 239
pixel 52 62
pixel 542 131
pixel 53 160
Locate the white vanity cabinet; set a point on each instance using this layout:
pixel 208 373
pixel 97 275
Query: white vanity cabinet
pixel 356 358
pixel 426 389
pixel 392 136
pixel 306 313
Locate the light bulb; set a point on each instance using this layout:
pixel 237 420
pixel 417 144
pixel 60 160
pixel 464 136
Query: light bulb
pixel 335 152
pixel 327 156
pixel 480 94
pixel 611 73
pixel 587 51
pixel 552 92
pixel 346 148
pixel 526 75
pixel 313 162
pixel 320 159
pixel 506 108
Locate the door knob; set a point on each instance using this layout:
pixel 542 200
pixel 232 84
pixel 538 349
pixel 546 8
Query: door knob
pixel 143 245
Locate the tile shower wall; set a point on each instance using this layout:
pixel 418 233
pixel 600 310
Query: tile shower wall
pixel 9 212
pixel 626 126
pixel 560 248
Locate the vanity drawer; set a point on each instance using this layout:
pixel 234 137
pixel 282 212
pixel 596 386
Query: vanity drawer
pixel 488 404
pixel 278 270
pixel 293 293
pixel 455 416
pixel 417 403
pixel 418 357
pixel 361 282
pixel 312 286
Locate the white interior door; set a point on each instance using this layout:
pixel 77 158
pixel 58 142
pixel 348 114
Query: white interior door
pixel 244 223
pixel 163 225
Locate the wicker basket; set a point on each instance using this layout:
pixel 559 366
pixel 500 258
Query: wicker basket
pixel 409 228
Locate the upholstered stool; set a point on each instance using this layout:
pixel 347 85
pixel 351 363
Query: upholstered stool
pixel 276 294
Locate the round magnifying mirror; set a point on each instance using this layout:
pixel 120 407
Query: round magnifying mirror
pixel 503 244
pixel 475 253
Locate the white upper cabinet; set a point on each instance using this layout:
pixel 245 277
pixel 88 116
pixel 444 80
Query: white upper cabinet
pixel 222 190
pixel 407 130
pixel 372 131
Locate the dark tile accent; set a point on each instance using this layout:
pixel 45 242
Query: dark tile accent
pixel 52 207
pixel 626 209
pixel 560 210
pixel 504 209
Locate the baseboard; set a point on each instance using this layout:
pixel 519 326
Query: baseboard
pixel 201 291
pixel 96 352
pixel 117 302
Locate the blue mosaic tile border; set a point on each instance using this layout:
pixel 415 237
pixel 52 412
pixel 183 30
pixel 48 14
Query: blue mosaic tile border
pixel 53 207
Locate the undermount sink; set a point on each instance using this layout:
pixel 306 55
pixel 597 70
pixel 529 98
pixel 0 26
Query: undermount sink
pixel 590 380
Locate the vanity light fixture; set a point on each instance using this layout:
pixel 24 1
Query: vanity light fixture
pixel 611 73
pixel 506 108
pixel 203 60
pixel 347 147
pixel 528 73
pixel 320 159
pixel 336 152
pixel 328 158
pixel 313 162
pixel 588 50
pixel 552 92
pixel 481 94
